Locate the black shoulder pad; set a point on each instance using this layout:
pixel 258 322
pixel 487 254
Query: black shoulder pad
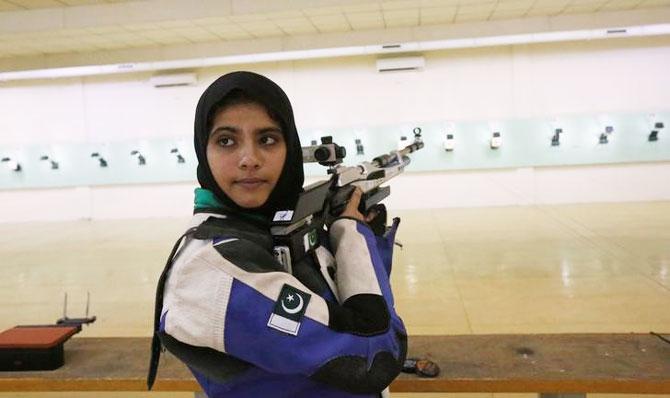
pixel 216 227
pixel 247 255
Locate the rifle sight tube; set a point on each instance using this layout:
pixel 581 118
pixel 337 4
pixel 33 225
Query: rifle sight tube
pixel 385 160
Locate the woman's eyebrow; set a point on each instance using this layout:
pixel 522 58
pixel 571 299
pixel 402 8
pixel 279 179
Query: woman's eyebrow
pixel 225 128
pixel 236 130
pixel 269 129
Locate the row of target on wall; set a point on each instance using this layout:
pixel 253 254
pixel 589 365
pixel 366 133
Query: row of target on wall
pixel 495 141
pixel 448 144
pixel 14 165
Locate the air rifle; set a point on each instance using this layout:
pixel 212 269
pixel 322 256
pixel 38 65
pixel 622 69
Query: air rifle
pixel 296 232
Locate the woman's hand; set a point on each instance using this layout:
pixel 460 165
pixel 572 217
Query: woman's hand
pixel 351 210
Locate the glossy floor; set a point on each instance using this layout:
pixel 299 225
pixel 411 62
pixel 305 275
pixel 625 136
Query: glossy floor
pixel 568 268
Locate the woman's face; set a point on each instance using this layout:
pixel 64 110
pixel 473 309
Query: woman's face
pixel 246 152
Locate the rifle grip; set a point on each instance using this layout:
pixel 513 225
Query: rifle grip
pixel 340 199
pixel 368 199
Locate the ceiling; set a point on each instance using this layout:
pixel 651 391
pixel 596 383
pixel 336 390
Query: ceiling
pixel 13 5
pixel 87 26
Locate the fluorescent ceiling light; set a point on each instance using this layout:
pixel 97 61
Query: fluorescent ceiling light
pixel 433 45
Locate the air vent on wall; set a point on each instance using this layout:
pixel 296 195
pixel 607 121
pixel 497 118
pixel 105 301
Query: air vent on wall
pixel 173 79
pixel 400 63
pixel 616 31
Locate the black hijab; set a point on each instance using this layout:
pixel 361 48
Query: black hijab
pixel 269 94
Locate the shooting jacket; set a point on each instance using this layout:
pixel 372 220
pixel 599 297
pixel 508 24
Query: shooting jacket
pixel 247 328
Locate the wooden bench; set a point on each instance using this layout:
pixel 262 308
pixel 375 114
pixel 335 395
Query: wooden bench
pixel 550 364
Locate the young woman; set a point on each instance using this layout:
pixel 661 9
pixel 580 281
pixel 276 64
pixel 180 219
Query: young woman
pixel 225 307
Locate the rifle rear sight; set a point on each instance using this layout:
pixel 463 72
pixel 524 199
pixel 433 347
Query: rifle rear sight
pixel 327 154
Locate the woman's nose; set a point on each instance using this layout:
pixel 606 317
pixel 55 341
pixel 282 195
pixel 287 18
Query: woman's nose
pixel 250 157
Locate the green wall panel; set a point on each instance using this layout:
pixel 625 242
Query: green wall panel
pixel 525 143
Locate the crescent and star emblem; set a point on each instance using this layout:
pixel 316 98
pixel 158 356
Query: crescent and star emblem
pixel 290 299
pixel 289 310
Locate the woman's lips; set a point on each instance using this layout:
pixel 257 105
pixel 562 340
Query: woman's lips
pixel 250 183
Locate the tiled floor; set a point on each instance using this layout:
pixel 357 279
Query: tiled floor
pixel 570 268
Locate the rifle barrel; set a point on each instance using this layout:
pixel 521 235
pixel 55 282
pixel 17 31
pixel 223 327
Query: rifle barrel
pixel 385 160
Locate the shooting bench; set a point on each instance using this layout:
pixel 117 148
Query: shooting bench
pixel 554 365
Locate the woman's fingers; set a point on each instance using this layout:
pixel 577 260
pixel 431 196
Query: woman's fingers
pixel 351 210
pixel 371 215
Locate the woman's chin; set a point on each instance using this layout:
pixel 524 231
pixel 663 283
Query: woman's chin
pixel 251 203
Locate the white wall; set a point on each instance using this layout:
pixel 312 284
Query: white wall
pixel 532 186
pixel 498 82
pixel 622 75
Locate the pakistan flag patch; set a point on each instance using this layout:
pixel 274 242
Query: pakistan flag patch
pixel 289 310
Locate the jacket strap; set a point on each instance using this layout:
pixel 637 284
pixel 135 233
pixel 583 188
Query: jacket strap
pixel 155 342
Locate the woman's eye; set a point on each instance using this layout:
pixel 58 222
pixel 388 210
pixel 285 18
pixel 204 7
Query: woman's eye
pixel 225 141
pixel 268 140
